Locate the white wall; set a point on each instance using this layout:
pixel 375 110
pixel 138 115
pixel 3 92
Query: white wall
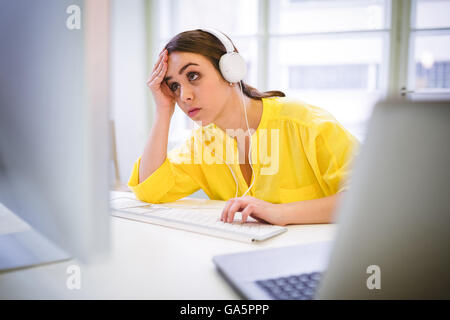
pixel 128 77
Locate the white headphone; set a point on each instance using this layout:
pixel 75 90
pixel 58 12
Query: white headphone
pixel 233 68
pixel 231 64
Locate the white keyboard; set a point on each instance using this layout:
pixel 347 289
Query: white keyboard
pixel 200 219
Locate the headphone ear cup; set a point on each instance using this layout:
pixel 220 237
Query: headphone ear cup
pixel 233 67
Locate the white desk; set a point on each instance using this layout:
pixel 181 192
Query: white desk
pixel 148 261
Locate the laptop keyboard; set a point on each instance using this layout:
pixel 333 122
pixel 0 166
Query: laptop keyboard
pixel 295 287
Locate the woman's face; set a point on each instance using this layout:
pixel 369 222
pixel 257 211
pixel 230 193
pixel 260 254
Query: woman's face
pixel 195 83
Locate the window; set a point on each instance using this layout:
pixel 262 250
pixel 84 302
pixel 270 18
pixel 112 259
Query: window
pixel 323 77
pixel 330 53
pixel 432 74
pixel 429 63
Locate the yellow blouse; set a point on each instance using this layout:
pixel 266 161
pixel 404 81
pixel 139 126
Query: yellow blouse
pixel 299 152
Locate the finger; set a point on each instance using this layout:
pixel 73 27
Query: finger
pixel 162 54
pixel 162 72
pixel 157 64
pixel 247 211
pixel 153 75
pixel 228 209
pixel 158 70
pixel 225 209
pixel 222 216
pixel 158 74
pixel 166 90
pixel 242 202
pixel 163 58
pixel 233 209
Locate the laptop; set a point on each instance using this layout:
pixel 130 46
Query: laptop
pixel 393 223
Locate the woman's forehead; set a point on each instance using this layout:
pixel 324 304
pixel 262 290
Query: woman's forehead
pixel 179 59
pixel 179 62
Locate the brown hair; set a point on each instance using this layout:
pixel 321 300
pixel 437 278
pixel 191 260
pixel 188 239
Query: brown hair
pixel 206 44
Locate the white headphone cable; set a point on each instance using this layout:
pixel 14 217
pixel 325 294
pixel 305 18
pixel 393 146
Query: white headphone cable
pixel 250 146
pixel 235 180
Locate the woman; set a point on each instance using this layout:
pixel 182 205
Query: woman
pixel 300 155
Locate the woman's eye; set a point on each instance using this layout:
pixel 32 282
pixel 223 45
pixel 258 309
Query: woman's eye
pixel 173 87
pixel 192 76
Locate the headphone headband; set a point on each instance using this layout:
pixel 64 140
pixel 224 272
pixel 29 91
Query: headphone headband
pixel 219 35
pixel 231 64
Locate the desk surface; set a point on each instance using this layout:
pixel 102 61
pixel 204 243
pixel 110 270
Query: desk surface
pixel 148 261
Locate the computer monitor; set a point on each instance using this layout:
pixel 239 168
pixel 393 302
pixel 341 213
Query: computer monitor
pixel 54 148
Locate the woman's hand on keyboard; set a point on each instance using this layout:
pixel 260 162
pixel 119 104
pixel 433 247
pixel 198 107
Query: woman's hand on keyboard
pixel 260 210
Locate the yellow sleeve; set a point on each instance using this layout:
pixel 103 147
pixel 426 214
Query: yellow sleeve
pixel 335 150
pixel 177 177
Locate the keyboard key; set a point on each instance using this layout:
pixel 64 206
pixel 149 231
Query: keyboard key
pixel 294 287
pixel 304 277
pixel 293 280
pixel 288 288
pixel 283 296
pixel 308 292
pixel 265 283
pixel 315 276
pixel 275 290
pixel 245 228
pixel 299 296
pixel 311 284
pixel 295 294
pixel 300 286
